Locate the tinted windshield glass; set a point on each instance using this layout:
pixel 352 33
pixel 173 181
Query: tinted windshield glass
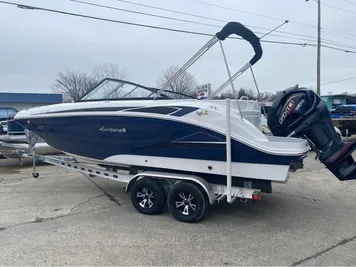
pixel 117 89
pixel 7 112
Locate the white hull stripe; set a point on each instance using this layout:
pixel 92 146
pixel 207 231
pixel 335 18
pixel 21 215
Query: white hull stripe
pixel 245 170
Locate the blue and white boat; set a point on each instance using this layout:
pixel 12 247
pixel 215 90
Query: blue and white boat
pixel 121 124
pixel 182 134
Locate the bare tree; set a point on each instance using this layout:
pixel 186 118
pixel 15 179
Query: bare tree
pixel 72 85
pixel 185 84
pixel 266 96
pixel 227 94
pixel 269 97
pixel 247 92
pixel 108 70
pixel 240 93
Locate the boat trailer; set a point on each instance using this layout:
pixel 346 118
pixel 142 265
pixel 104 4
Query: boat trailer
pixel 187 196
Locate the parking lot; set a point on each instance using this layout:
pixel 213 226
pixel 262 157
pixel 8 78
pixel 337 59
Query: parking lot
pixel 64 218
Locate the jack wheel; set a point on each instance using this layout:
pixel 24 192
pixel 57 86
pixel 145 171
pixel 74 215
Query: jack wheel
pixel 148 196
pixel 35 175
pixel 187 202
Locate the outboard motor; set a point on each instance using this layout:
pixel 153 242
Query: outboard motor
pixel 300 112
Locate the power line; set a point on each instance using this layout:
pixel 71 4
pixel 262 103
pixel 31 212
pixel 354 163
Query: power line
pixel 317 1
pixel 339 8
pixel 350 2
pixel 143 13
pixel 338 81
pixel 333 82
pixel 242 11
pixel 310 38
pixel 156 27
pixel 339 35
pixel 199 16
pixel 192 22
pixel 338 44
pixel 187 14
pixel 327 31
pixel 335 48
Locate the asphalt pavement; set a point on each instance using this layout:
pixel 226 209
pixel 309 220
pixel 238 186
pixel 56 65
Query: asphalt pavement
pixel 64 218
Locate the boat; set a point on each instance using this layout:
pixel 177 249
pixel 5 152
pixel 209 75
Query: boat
pixel 5 113
pixel 14 141
pixel 122 124
pixel 12 132
pixel 15 150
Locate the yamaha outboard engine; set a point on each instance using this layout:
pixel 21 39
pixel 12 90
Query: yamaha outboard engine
pixel 300 112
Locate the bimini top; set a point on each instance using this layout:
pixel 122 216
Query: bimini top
pixel 115 89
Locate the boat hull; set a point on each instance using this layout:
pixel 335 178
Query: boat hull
pixel 158 143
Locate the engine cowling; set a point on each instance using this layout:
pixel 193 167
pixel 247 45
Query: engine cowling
pixel 300 112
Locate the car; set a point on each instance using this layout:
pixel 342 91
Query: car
pixel 343 111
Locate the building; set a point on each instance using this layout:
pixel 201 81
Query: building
pixel 11 103
pixel 332 101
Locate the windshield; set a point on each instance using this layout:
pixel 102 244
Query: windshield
pixel 110 89
pixel 7 113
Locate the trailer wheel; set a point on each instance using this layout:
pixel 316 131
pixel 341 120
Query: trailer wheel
pixel 148 196
pixel 187 202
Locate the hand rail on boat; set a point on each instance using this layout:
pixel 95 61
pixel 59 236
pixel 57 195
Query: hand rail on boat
pixel 228 152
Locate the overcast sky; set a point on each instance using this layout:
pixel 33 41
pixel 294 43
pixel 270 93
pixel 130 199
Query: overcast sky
pixel 36 45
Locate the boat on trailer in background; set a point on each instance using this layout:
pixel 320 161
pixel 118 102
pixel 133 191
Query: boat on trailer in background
pixel 186 152
pixel 13 141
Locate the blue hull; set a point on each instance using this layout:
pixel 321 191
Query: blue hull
pixel 100 137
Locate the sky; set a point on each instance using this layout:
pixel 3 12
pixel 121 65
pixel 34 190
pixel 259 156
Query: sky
pixel 36 45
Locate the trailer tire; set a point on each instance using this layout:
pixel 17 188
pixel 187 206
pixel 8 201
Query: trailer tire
pixel 187 202
pixel 148 196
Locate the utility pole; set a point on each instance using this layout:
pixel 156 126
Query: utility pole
pixel 318 57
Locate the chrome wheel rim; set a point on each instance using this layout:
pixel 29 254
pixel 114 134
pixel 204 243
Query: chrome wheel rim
pixel 185 203
pixel 145 198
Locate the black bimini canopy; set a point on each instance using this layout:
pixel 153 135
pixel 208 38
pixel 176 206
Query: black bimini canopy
pixel 240 30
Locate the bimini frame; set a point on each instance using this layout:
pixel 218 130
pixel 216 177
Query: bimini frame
pixel 229 29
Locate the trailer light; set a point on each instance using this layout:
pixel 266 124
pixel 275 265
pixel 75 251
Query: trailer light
pixel 256 196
